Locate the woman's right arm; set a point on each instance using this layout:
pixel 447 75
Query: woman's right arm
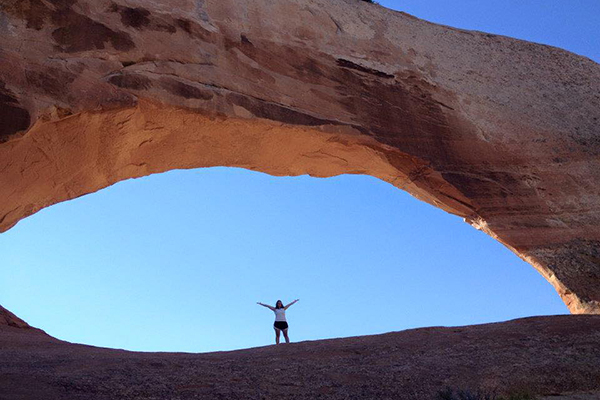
pixel 266 305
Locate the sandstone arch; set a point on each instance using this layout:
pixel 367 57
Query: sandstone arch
pixel 499 131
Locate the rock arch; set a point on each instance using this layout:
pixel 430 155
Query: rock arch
pixel 499 131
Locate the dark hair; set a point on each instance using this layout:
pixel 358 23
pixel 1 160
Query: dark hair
pixel 277 304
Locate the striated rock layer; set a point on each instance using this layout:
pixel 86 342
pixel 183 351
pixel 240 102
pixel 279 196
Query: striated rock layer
pixel 555 356
pixel 499 131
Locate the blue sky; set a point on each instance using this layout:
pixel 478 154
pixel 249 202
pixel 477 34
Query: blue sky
pixel 177 261
pixel 572 25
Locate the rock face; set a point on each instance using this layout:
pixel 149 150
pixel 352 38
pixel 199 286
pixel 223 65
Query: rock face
pixel 499 131
pixel 556 356
pixel 9 319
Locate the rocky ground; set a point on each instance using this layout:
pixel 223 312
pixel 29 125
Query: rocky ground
pixel 555 357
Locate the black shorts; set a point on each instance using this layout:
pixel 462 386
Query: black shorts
pixel 280 325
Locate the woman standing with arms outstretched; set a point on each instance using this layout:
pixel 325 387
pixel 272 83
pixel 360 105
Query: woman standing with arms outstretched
pixel 280 321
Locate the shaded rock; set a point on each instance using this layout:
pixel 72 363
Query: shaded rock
pixel 556 356
pixel 9 319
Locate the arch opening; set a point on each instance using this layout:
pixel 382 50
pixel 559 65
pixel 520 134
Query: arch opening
pixel 157 264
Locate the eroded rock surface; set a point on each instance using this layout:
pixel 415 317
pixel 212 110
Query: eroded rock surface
pixel 544 356
pixel 9 319
pixel 499 131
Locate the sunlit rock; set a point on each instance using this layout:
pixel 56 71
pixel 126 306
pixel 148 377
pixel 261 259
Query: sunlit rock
pixel 501 132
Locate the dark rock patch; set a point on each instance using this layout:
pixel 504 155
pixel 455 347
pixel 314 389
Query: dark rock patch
pixel 80 33
pixel 35 12
pixel 400 113
pixel 181 89
pixel 131 81
pixel 276 112
pixel 139 18
pixel 50 81
pixel 245 40
pixel 185 24
pixel 579 257
pixel 164 28
pixel 74 32
pixel 134 17
pixel 195 30
pixel 349 64
pixel 14 117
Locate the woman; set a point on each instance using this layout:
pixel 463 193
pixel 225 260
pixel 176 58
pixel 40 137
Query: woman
pixel 280 322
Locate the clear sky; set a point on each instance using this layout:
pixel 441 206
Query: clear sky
pixel 177 261
pixel 573 25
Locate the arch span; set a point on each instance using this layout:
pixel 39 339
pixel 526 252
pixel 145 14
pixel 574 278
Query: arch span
pixel 498 131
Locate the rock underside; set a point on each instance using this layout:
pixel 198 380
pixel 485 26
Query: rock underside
pixel 501 132
pixel 552 358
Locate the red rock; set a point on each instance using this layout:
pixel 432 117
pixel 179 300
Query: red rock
pixel 9 319
pixel 542 356
pixel 501 132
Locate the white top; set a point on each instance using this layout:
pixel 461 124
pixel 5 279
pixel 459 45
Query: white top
pixel 279 314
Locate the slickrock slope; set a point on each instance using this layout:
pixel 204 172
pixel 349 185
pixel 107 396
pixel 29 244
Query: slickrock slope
pixel 499 131
pixel 9 319
pixel 545 356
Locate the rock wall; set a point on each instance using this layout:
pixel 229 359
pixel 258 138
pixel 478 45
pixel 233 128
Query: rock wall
pixel 501 132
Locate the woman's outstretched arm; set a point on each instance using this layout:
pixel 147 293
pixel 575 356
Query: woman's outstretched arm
pixel 286 307
pixel 266 305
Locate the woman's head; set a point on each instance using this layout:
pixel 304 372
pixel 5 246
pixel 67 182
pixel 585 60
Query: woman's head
pixel 279 304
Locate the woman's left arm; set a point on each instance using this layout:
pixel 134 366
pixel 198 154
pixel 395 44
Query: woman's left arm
pixel 286 307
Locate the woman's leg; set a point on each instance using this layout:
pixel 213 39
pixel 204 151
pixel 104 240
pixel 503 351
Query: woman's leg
pixel 287 339
pixel 277 332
